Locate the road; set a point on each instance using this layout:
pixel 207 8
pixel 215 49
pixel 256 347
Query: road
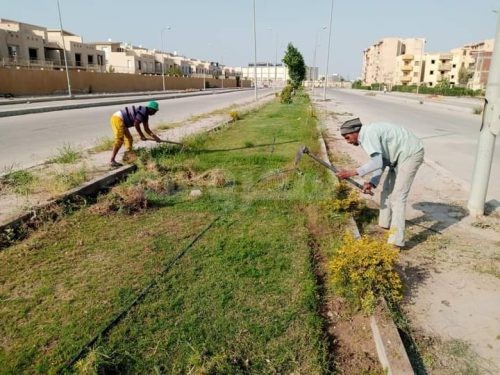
pixel 449 132
pixel 29 139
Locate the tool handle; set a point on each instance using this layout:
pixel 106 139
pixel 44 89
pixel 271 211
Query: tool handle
pixel 335 170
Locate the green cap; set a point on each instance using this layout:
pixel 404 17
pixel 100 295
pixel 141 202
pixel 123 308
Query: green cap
pixel 153 105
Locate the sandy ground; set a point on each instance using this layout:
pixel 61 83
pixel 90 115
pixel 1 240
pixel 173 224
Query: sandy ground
pixel 452 269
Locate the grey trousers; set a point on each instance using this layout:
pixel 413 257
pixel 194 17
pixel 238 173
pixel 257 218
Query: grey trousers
pixel 394 195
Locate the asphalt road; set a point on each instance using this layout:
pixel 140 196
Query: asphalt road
pixel 28 139
pixel 450 132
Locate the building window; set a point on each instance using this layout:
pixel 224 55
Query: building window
pixel 12 52
pixel 139 65
pixel 100 60
pixel 417 63
pixel 78 59
pixel 452 77
pixel 33 53
pixel 454 65
pixel 431 72
pixel 430 84
pixel 90 59
pixel 433 61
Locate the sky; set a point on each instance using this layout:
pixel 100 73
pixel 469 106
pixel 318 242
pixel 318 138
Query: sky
pixel 222 30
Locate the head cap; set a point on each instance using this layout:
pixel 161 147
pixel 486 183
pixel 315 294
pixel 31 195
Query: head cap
pixel 153 105
pixel 350 126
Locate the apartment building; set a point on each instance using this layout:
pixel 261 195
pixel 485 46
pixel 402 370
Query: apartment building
pixel 31 46
pixel 394 61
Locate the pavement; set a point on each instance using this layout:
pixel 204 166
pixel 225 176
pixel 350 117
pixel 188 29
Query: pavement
pixel 26 105
pixel 451 266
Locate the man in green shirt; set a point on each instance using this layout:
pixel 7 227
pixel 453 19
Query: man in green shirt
pixel 391 146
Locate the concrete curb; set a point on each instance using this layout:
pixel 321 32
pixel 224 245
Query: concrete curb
pixel 24 111
pixel 89 188
pixel 390 348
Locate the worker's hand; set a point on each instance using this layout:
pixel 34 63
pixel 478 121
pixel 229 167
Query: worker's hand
pixel 367 188
pixel 344 173
pixel 157 139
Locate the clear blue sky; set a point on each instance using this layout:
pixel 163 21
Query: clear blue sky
pixel 223 29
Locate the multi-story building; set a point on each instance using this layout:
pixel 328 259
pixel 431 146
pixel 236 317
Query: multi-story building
pixel 268 74
pixel 393 60
pixel 25 45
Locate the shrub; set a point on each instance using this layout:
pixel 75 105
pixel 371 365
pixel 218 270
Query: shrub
pixel 477 110
pixel 67 155
pixel 235 115
pixel 21 182
pixel 286 94
pixel 363 270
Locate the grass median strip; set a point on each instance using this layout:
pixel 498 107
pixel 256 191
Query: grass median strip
pixel 244 299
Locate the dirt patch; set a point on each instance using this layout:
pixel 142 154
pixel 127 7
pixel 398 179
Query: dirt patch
pixel 350 341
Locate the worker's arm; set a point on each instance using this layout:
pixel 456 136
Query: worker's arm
pixel 153 135
pixel 137 125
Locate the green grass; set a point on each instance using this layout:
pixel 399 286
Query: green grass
pixel 242 300
pixel 103 144
pixel 20 182
pixel 66 155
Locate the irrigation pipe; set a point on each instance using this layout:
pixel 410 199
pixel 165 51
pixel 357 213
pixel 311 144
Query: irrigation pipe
pixel 104 331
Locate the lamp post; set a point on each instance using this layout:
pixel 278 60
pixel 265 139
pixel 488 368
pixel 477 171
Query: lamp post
pixel 421 64
pixel 314 55
pixel 164 48
pixel 328 53
pixel 64 49
pixel 254 53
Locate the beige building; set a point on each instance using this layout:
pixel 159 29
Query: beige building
pixel 30 46
pixel 393 60
pixel 267 74
pixel 466 66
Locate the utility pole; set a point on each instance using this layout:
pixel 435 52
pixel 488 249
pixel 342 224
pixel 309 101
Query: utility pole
pixel 490 127
pixel 254 53
pixel 328 52
pixel 64 49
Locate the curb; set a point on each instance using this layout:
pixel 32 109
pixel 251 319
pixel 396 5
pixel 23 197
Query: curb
pixel 390 348
pixel 24 111
pixel 89 188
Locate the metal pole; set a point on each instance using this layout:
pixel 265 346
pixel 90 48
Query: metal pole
pixel 490 128
pixel 164 48
pixel 255 53
pixel 421 64
pixel 64 48
pixel 276 63
pixel 328 52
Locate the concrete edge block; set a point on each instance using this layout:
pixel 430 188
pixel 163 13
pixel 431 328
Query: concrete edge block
pixel 390 348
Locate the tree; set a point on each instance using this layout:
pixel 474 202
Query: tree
pixel 174 71
pixel 463 76
pixel 296 66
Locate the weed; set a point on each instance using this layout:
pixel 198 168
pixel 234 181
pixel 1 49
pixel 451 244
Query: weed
pixel 103 144
pixel 124 199
pixel 477 110
pixel 21 182
pixel 235 115
pixel 286 95
pixel 64 181
pixel 249 144
pixel 66 155
pixel 363 270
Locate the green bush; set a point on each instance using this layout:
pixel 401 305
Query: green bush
pixel 286 94
pixel 446 91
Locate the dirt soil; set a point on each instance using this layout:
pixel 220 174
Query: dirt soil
pixel 451 266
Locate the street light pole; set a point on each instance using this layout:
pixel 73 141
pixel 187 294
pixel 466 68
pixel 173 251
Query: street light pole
pixel 421 64
pixel 64 49
pixel 164 48
pixel 490 128
pixel 255 53
pixel 314 55
pixel 328 52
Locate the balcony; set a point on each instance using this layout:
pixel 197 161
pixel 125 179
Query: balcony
pixel 445 66
pixel 406 68
pixel 407 57
pixel 446 56
pixel 406 79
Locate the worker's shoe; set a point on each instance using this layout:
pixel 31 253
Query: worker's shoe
pixel 115 164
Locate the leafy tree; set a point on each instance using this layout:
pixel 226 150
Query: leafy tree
pixel 443 84
pixel 296 66
pixel 174 71
pixel 464 75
